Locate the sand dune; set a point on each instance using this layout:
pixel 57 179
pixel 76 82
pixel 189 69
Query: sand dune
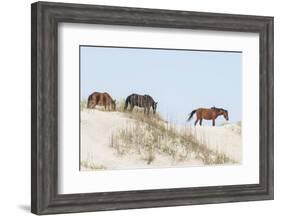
pixel 97 128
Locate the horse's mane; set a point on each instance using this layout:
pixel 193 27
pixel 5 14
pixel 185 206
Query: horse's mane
pixel 218 109
pixel 215 108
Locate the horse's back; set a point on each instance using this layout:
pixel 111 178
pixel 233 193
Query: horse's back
pixel 107 96
pixel 140 98
pixel 94 96
pixel 133 95
pixel 99 98
pixel 205 113
pixel 133 98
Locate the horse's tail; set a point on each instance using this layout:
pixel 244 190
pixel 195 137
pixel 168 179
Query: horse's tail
pixel 89 100
pixel 191 114
pixel 126 103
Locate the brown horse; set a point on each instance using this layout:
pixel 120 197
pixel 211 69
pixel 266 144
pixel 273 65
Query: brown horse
pixel 101 99
pixel 208 114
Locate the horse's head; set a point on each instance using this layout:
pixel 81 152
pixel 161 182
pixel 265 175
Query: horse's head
pixel 221 111
pixel 154 106
pixel 113 104
pixel 225 114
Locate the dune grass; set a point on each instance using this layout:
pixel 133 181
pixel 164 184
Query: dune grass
pixel 150 136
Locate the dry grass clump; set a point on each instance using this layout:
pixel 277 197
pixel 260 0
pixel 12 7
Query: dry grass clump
pixel 83 104
pixel 92 166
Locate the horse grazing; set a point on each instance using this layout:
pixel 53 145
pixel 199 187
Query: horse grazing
pixel 101 99
pixel 208 114
pixel 143 101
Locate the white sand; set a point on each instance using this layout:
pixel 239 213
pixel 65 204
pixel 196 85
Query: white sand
pixel 98 126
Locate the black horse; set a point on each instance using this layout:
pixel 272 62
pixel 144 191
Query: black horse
pixel 143 101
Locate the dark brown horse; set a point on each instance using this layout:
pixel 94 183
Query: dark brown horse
pixel 144 101
pixel 208 114
pixel 101 99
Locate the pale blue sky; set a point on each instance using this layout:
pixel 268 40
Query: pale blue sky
pixel 180 80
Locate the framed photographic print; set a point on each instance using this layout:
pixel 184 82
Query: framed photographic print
pixel 136 108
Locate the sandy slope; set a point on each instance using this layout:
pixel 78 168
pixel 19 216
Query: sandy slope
pixel 222 139
pixel 98 126
pixel 96 129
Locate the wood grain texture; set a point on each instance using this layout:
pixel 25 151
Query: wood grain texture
pixel 45 18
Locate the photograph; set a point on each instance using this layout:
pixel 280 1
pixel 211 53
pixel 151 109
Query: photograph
pixel 145 108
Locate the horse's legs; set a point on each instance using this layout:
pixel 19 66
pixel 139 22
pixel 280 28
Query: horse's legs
pixel 93 105
pixel 214 122
pixel 200 122
pixel 148 109
pixel 131 108
pixel 196 122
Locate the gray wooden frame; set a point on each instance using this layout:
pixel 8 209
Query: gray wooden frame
pixel 45 18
